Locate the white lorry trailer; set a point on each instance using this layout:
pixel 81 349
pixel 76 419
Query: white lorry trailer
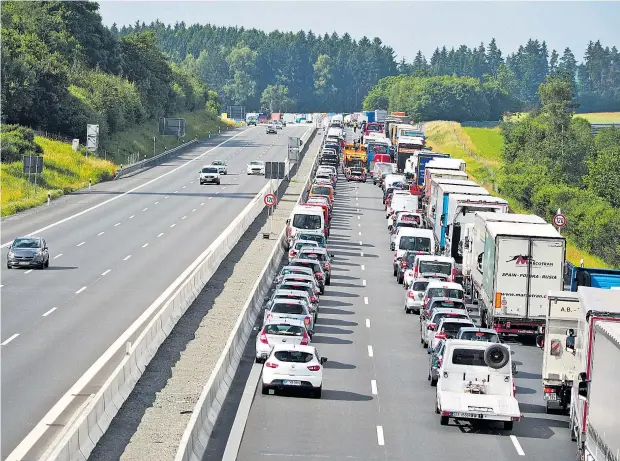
pixel 519 265
pixel 559 359
pixel 595 405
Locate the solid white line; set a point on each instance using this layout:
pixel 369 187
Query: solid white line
pixel 380 438
pixel 132 216
pixel 80 244
pixel 49 312
pixel 367 323
pixel 117 224
pixel 365 299
pixel 103 274
pixel 94 207
pixel 373 387
pixel 364 283
pixel 6 341
pixel 100 233
pixel 370 351
pixel 183 217
pixel 160 235
pixel 145 209
pixel 28 271
pixel 517 445
pixel 57 256
pixel 173 225
pixel 145 245
pixel 80 290
pixel 363 267
pixel 126 257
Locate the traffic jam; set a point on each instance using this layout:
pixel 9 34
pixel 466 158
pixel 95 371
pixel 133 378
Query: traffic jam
pixel 478 277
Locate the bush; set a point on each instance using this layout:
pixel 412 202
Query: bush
pixel 16 141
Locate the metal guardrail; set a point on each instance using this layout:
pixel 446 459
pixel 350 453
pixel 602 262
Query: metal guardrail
pixel 596 127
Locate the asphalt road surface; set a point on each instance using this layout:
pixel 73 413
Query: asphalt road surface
pixel 110 263
pixel 377 403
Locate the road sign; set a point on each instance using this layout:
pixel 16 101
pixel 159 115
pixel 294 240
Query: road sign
pixel 92 137
pixel 270 200
pixel 172 127
pixel 32 164
pixel 559 220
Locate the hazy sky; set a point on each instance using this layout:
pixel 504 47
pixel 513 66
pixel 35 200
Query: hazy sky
pixel 406 26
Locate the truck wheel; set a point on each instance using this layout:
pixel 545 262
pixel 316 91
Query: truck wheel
pixel 508 425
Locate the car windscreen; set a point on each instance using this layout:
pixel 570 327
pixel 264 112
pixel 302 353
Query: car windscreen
pixel 256 164
pixel 378 148
pixel 209 170
pixel 384 168
pixel 374 128
pixel 447 304
pixel 316 267
pixel 284 330
pixel 471 357
pixel 319 256
pixel 453 293
pixel 419 286
pixel 451 329
pixel 293 356
pixel 218 162
pixel 480 336
pixel 300 245
pixel 435 267
pixel 285 308
pixel 412 243
pixel 307 221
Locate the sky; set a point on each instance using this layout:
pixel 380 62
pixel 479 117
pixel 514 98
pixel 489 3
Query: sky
pixel 406 26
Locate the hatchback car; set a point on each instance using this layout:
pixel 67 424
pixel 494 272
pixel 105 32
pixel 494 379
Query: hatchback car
pixel 290 366
pixel 415 296
pixel 428 325
pixel 28 252
pixel 448 328
pixel 316 237
pixel 298 245
pixel 322 256
pixel 281 310
pixel 221 166
pixel 289 332
pixel 209 174
pixel 255 167
pixel 271 129
pixel 316 266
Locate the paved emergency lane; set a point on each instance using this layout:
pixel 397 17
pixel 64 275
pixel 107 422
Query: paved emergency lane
pixel 109 264
pixel 378 367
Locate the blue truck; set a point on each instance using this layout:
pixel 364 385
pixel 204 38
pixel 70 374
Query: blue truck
pixel 423 159
pixel 591 277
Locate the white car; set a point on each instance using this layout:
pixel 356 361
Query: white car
pixel 288 332
pixel 428 325
pixel 256 167
pixel 209 174
pixel 440 289
pixel 290 366
pixel 448 328
pixel 298 245
pixel 415 296
pixel 221 166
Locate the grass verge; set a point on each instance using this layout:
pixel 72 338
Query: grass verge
pixel 601 117
pixel 481 148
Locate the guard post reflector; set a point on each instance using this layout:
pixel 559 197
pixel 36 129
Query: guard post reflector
pixel 498 300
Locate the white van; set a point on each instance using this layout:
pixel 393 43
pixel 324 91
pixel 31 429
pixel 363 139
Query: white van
pixel 305 218
pixel 401 202
pixel 434 267
pixel 391 179
pixel 412 239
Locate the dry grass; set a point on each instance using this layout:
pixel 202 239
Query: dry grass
pixel 601 117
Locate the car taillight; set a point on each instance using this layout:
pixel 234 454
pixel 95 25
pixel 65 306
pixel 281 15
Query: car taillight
pixel 410 294
pixel 326 265
pixel 307 320
pixel 440 336
pixel 403 264
pixel 292 253
pixel 318 275
pixel 305 339
pixel 452 276
pixel 314 367
pixel 271 365
pixel 415 272
pixel 426 300
pixel 263 337
pixel 439 361
pixel 431 326
pixel 313 299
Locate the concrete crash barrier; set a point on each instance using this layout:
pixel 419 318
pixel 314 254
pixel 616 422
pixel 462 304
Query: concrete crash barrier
pixel 150 162
pixel 194 441
pixel 80 436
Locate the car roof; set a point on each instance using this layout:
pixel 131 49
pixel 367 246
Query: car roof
pixel 466 344
pixel 292 347
pixel 291 321
pixel 290 301
pixel 449 285
pixel 303 260
pixel 446 310
pixel 436 258
pixel 443 299
pixel 478 329
pixel 456 320
pixel 283 292
pixel 317 249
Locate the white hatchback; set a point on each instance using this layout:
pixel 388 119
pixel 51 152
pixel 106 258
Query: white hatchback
pixel 289 332
pixel 415 296
pixel 290 366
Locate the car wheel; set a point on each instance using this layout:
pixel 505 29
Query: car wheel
pixel 47 262
pixel 218 183
pixel 323 290
pixel 265 390
pixel 258 360
pixel 433 382
pixel 8 266
pixel 399 279
pixel 508 425
pixel 329 281
pixel 407 310
pixel 395 272
pixel 316 393
pixel 443 420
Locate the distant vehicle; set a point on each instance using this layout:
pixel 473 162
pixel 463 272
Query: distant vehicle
pixel 221 166
pixel 256 167
pixel 252 121
pixel 209 174
pixel 271 129
pixel 28 252
pixel 278 124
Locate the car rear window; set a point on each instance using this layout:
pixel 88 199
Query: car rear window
pixel 472 357
pixel 451 329
pixel 285 308
pixel 448 305
pixel 441 315
pixel 293 356
pixel 480 336
pixel 296 286
pixel 415 243
pixel 315 266
pixel 420 286
pixel 314 237
pixel 321 190
pixel 445 293
pixel 284 329
pixel 320 256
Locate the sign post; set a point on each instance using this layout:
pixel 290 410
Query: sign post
pixel 559 221
pixel 270 201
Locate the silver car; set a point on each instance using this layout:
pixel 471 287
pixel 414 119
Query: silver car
pixel 290 331
pixel 28 252
pixel 282 310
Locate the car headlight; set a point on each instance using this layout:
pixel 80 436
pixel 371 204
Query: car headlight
pixel 11 254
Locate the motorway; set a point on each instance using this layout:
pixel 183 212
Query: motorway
pixel 377 403
pixel 131 240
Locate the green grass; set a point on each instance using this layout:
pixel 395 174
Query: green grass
pixel 64 171
pixel 139 139
pixel 486 144
pixel 601 117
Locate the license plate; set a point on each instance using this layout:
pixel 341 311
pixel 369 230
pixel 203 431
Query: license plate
pixel 467 415
pixel 551 396
pixel 24 263
pixel 286 382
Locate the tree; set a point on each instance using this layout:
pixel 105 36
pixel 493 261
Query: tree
pixel 323 79
pixel 604 175
pixel 275 98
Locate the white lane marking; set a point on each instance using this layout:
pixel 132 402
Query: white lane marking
pixel 103 274
pixel 94 207
pixel 117 224
pixel 360 240
pixel 80 290
pixel 517 445
pixel 202 203
pixel 367 323
pixel 358 210
pixel 359 217
pixel 223 188
pixel 160 234
pixel 155 203
pixel 145 209
pixel 373 386
pixel 57 256
pixel 218 192
pixel 166 196
pixel 380 438
pixel 173 225
pixel 191 182
pixel 11 338
pixel 126 257
pixel 359 225
pixel 1 286
pixel 193 210
pixel 132 216
pixel 184 187
pixel 49 312
pixel 363 267
pixel 176 191
pixel 370 351
pixel 28 271
pixel 210 198
pixel 365 299
pixel 183 217
pixel 362 254
pixel 100 233
pixel 364 283
pixel 80 244
pixel 145 245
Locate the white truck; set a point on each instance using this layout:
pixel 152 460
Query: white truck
pixel 559 359
pixel 380 115
pixel 476 383
pixel 595 405
pixel 519 264
pixel 431 191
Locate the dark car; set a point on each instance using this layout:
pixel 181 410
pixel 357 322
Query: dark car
pixel 434 362
pixel 28 252
pixel 322 256
pixel 271 129
pixel 405 263
pixel 317 268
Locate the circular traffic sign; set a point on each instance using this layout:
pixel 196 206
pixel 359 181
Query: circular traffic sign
pixel 559 220
pixel 270 200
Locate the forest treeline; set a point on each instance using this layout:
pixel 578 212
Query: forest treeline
pixel 62 69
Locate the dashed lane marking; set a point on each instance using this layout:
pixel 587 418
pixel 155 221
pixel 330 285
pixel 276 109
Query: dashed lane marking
pixel 173 225
pixel 362 254
pixel 160 234
pixel 80 244
pixel 103 274
pixel 11 338
pixel 155 203
pixel 49 312
pixel 517 445
pixel 145 209
pixel 184 217
pixel 365 299
pixel 28 271
pixel 132 216
pixel 363 267
pixel 364 283
pixel 202 203
pixel 117 224
pixel 80 290
pixel 184 187
pixel 100 234
pixel 361 241
pixel 373 386
pixel 380 438
pixel 145 245
pixel 370 351
pixel 126 257
pixel 193 210
pixel 367 323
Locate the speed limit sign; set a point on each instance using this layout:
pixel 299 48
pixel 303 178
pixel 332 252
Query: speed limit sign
pixel 270 200
pixel 559 220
